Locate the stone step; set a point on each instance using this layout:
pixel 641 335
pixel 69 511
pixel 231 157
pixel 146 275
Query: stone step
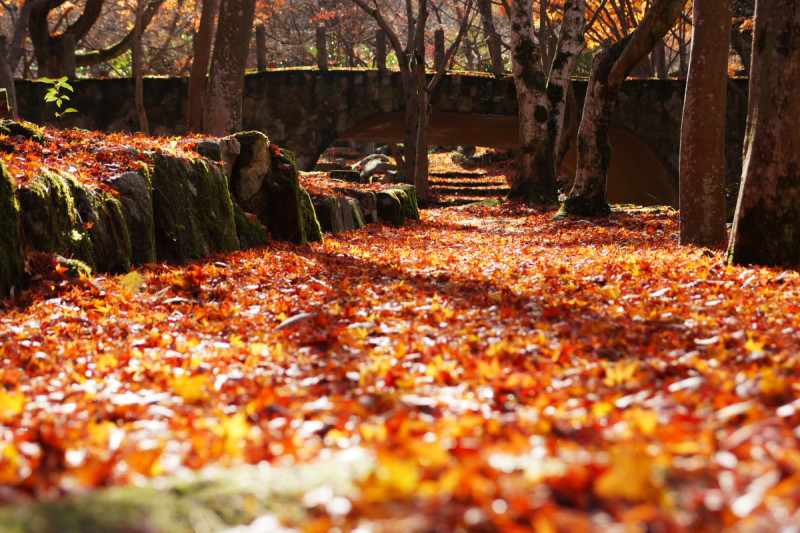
pixel 476 184
pixel 471 191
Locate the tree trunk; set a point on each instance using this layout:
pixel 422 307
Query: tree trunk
pixel 766 228
pixel 492 38
pixel 535 181
pixel 202 55
pixel 138 70
pixel 222 114
pixel 542 98
pixel 610 68
pixel 702 157
pixel 420 161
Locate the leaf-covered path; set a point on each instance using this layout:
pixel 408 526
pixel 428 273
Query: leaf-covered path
pixel 505 371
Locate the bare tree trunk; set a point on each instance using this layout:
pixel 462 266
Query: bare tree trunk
pixel 610 68
pixel 702 158
pixel 138 70
pixel 202 55
pixel 222 114
pixel 492 37
pixel 766 228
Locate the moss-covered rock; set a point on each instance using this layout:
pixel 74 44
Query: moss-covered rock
pixel 352 215
pixel 366 199
pixel 192 209
pixel 328 213
pixel 407 196
pixel 265 181
pixel 389 207
pixel 11 262
pixel 100 214
pixel 311 226
pixel 135 194
pixel 15 128
pixel 249 229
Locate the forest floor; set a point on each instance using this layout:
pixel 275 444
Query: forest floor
pixel 481 369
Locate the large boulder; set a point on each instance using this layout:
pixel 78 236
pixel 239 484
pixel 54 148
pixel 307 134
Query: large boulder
pixel 265 182
pixel 11 262
pixel 192 209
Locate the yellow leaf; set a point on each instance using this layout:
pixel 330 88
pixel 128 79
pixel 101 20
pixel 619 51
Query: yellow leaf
pixel 645 421
pixel 629 477
pixel 11 404
pixel 191 388
pixel 133 281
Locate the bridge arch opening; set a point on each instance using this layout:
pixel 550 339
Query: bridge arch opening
pixel 637 174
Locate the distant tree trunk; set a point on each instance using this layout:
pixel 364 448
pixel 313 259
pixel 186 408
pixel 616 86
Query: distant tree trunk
pixel 702 156
pixel 7 76
pixel 541 98
pixel 202 55
pixel 610 68
pixel 138 70
pixel 416 88
pixel 766 228
pixel 492 37
pixel 222 114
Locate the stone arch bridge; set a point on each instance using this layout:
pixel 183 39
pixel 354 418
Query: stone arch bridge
pixel 307 110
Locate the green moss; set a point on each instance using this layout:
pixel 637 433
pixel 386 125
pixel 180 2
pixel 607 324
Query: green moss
pixel 311 226
pixel 11 262
pixel 250 231
pixel 192 209
pixel 23 129
pixel 135 193
pixel 540 114
pixel 407 194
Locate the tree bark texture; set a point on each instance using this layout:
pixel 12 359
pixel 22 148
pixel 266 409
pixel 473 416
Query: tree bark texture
pixel 222 114
pixel 766 228
pixel 202 55
pixel 610 68
pixel 535 181
pixel 702 155
pixel 542 98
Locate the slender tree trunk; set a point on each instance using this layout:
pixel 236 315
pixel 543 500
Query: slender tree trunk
pixel 766 228
pixel 610 68
pixel 702 158
pixel 222 114
pixel 202 55
pixel 492 37
pixel 420 160
pixel 138 69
